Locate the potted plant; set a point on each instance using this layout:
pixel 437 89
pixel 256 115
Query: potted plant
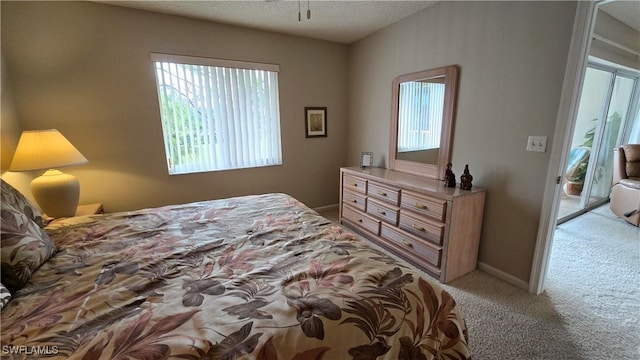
pixel 579 157
pixel 578 163
pixel 575 177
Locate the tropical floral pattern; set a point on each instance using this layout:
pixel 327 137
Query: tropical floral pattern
pixel 25 246
pixel 15 199
pixel 5 296
pixel 256 277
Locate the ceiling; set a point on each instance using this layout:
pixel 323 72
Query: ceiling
pixel 339 21
pixel 625 11
pixel 343 21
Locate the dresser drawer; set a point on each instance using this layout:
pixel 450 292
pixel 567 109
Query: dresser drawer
pixel 357 200
pixel 422 227
pixel 424 205
pixel 433 228
pixel 410 244
pixel 361 219
pixel 383 211
pixel 354 183
pixel 385 193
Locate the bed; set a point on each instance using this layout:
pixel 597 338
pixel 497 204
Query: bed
pixel 252 277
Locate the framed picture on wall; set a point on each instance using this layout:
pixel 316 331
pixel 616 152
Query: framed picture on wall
pixel 315 121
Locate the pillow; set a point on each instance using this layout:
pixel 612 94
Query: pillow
pixel 632 153
pixel 5 296
pixel 14 198
pixel 24 247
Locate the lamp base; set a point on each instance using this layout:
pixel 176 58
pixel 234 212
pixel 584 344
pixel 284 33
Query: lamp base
pixel 56 193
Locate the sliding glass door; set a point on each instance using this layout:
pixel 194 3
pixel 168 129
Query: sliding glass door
pixel 606 104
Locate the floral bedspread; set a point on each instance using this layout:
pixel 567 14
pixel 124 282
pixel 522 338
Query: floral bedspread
pixel 255 277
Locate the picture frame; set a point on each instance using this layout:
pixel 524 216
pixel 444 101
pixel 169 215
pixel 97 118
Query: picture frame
pixel 315 122
pixel 366 159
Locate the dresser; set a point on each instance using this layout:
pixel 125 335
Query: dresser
pixel 433 227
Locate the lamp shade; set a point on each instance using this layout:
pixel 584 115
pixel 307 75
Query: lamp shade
pixel 44 149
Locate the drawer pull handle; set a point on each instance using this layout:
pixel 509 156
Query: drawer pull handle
pixel 354 201
pixel 418 227
pixel 359 220
pixel 381 212
pixel 420 206
pixel 382 193
pixel 355 184
pixel 406 243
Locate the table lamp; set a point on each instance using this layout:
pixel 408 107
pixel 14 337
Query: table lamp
pixel 56 193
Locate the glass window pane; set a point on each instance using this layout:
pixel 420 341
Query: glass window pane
pixel 611 137
pixel 216 117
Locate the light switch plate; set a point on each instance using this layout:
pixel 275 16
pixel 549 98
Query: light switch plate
pixel 537 143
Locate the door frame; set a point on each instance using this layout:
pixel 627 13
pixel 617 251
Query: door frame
pixel 583 25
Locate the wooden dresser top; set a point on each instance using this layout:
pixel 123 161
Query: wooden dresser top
pixel 411 182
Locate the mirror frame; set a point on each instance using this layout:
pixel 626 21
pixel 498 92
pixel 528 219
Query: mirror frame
pixel 450 74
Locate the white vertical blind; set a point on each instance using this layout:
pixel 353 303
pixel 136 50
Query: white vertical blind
pixel 420 115
pixel 218 117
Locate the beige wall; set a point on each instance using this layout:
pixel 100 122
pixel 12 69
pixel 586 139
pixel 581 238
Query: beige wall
pixel 84 69
pixel 9 127
pixel 512 57
pixel 10 130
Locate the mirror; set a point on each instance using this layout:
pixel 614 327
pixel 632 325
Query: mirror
pixel 423 106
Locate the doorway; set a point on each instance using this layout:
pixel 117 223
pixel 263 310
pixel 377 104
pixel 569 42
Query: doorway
pixel 604 109
pixel 582 45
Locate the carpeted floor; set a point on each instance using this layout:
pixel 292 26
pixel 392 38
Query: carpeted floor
pixel 594 282
pixel 590 308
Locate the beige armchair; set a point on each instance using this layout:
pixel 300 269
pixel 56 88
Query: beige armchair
pixel 625 193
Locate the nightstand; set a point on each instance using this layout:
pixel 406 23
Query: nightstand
pixel 89 209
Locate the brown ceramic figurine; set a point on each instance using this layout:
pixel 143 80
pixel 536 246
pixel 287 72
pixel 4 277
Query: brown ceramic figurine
pixel 449 177
pixel 465 179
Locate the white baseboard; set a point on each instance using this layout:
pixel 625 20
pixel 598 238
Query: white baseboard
pixel 503 276
pixel 326 208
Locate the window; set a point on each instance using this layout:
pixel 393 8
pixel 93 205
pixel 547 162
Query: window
pixel 217 114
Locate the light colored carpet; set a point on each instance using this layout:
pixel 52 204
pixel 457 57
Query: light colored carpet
pixel 594 282
pixel 590 309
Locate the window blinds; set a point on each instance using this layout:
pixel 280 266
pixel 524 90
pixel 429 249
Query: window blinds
pixel 218 117
pixel 420 117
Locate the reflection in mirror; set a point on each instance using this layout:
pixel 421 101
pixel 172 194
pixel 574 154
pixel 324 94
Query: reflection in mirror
pixel 421 104
pixel 422 120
